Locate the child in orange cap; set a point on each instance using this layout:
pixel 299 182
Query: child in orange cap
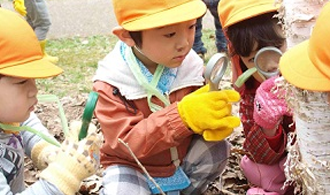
pixel 21 63
pixel 36 14
pixel 307 65
pixel 249 26
pixel 145 99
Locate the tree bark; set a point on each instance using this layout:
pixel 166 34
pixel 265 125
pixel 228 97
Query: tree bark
pixel 308 159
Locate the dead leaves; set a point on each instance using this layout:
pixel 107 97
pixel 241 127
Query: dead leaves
pixel 232 181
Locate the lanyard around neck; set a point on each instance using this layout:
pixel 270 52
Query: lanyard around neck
pixel 150 87
pixel 151 91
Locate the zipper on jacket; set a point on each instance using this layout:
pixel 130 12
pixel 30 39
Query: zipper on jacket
pixel 130 107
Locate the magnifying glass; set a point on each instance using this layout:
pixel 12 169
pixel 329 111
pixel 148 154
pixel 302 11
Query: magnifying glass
pixel 267 60
pixel 215 69
pixel 88 114
pixel 266 63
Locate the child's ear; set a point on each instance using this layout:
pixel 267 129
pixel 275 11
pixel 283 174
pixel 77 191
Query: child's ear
pixel 123 35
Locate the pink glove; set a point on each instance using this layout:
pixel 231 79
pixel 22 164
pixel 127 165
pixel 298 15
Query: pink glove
pixel 268 106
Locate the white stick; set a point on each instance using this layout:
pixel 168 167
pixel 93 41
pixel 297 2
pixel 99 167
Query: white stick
pixel 141 166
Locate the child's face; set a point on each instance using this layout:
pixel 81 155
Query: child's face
pixel 167 45
pixel 17 99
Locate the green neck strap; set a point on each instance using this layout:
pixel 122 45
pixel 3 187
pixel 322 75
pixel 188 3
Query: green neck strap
pixel 150 87
pixel 26 128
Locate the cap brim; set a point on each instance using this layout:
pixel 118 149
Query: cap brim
pixel 298 69
pixel 250 12
pixel 185 12
pixel 40 68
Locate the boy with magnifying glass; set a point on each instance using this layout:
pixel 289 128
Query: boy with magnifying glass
pixel 147 98
pixel 250 25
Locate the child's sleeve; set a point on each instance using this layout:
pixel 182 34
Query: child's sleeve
pixel 120 118
pixel 260 150
pixel 30 139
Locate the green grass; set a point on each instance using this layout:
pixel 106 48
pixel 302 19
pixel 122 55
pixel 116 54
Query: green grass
pixel 79 57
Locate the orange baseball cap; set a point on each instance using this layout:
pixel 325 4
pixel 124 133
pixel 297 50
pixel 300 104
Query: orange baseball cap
pixel 307 65
pixel 146 14
pixel 20 51
pixel 234 11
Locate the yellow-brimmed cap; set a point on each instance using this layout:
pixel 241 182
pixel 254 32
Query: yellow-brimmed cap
pixel 146 14
pixel 234 11
pixel 307 65
pixel 20 52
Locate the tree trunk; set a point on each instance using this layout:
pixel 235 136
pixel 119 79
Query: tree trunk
pixel 299 17
pixel 309 157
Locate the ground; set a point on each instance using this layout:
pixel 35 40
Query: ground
pixel 233 181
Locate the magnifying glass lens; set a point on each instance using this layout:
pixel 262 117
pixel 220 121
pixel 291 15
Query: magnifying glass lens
pixel 268 61
pixel 217 69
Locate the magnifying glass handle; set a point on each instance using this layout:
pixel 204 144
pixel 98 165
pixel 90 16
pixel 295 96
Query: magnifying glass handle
pixel 88 114
pixel 245 76
pixel 213 86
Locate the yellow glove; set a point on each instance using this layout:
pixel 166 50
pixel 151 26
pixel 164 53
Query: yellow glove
pixel 209 111
pixel 74 162
pixel 220 134
pixel 20 7
pixel 203 89
pixel 43 153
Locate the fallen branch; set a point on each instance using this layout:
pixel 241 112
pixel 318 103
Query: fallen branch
pixel 141 166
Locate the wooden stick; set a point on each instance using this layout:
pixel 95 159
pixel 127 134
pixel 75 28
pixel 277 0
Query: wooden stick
pixel 141 166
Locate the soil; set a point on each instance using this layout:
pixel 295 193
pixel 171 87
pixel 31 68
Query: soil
pixel 232 181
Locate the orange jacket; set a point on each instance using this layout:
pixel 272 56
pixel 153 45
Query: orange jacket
pixel 123 112
pixel 149 135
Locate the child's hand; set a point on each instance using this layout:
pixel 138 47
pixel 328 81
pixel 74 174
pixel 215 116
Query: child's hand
pixel 74 162
pixel 209 113
pixel 75 127
pixel 20 7
pixel 269 108
pixel 43 153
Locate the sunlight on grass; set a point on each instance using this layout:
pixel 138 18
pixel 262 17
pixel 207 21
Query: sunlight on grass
pixel 79 57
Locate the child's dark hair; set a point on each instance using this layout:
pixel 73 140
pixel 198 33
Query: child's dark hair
pixel 137 37
pixel 262 30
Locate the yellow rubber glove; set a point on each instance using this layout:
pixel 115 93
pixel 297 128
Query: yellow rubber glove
pixel 43 153
pixel 74 162
pixel 20 7
pixel 209 111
